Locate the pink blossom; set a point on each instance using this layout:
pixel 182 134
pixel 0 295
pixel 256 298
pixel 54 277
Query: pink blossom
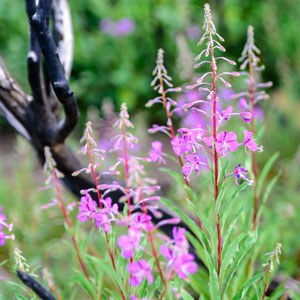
pixel 246 116
pixel 156 153
pixel 87 208
pixel 193 162
pixel 249 142
pixel 226 114
pixel 177 256
pixel 226 141
pixel 240 172
pixel 3 225
pixel 139 271
pixel 128 243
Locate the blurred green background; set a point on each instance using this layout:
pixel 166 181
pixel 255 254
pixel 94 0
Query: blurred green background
pixel 116 63
pixel 116 42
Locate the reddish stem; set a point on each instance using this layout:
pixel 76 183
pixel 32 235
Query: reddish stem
pixel 154 252
pixel 253 156
pixel 126 166
pixel 99 199
pixel 216 158
pixel 69 224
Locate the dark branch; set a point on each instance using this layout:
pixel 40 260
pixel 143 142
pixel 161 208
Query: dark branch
pixel 39 21
pixel 35 286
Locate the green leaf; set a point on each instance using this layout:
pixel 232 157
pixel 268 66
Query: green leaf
pixel 107 268
pixel 266 195
pixel 266 169
pixel 210 256
pixel 241 252
pixel 229 252
pixel 85 284
pixel 185 295
pixel 227 207
pixel 199 282
pixel 241 294
pixel 230 229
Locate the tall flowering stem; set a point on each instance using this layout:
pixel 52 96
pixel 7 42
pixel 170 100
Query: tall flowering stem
pixel 122 141
pixel 210 31
pixel 159 82
pixel 90 149
pixel 50 166
pixel 250 58
pixel 223 142
pixel 149 229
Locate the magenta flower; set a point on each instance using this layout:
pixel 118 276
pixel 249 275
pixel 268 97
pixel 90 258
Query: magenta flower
pixel 142 221
pixel 184 265
pixel 128 243
pixel 250 143
pixel 177 256
pixel 225 142
pixel 3 223
pixel 246 116
pixel 139 271
pixel 156 154
pixel 226 114
pixel 87 208
pixel 240 173
pixel 193 162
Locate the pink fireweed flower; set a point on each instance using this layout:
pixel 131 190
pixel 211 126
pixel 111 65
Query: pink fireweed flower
pixel 3 222
pixel 139 271
pixel 129 243
pixel 189 139
pixel 177 256
pixel 156 154
pixel 250 143
pixel 141 221
pixel 3 225
pixel 87 208
pixel 225 142
pixel 240 173
pixel 226 114
pixel 193 163
pixel 103 221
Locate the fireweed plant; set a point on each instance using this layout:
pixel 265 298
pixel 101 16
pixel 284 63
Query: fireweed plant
pixel 134 259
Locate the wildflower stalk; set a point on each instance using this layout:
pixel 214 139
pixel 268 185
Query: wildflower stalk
pixel 162 91
pixel 126 166
pixel 153 249
pixel 211 30
pixel 252 103
pixel 89 141
pixel 162 77
pixel 250 59
pixel 50 164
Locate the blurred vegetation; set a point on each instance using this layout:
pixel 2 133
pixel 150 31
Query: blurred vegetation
pixel 120 67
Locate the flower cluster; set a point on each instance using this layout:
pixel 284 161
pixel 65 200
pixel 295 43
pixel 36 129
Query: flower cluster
pixel 4 225
pixel 178 258
pixel 205 103
pixel 88 210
